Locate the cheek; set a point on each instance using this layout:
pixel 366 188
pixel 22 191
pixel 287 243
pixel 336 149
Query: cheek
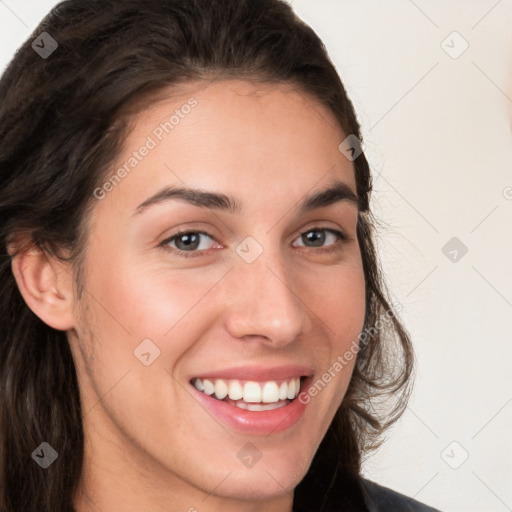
pixel 151 301
pixel 338 298
pixel 339 302
pixel 139 301
pixel 135 300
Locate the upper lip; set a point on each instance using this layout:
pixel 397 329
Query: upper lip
pixel 258 373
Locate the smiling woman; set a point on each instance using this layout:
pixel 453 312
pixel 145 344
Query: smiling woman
pixel 208 328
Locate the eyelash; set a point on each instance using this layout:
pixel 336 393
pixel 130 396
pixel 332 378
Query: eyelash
pixel 337 246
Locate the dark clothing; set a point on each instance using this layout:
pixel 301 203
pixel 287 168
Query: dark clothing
pixel 379 498
pixel 328 486
pixel 353 495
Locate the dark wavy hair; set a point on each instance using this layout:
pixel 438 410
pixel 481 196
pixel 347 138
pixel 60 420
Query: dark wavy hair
pixel 63 120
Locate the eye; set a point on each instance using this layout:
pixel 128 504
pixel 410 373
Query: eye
pixel 320 237
pixel 194 243
pixel 187 241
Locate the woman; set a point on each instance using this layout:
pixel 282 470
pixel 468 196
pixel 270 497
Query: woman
pixel 193 312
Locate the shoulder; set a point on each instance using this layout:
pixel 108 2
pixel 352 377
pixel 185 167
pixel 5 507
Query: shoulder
pixel 382 499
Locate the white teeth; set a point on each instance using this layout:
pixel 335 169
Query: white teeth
pixel 250 392
pixel 221 389
pixel 291 389
pixel 283 391
pixel 209 388
pixel 270 392
pixel 236 391
pixel 260 407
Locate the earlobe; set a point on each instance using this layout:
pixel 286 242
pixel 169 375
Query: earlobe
pixel 46 286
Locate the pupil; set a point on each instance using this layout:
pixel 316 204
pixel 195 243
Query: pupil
pixel 189 240
pixel 316 237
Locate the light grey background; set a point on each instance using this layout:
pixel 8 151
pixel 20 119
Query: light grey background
pixel 437 128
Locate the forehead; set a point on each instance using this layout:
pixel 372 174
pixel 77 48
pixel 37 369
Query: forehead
pixel 248 139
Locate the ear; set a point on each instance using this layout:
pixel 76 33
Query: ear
pixel 46 285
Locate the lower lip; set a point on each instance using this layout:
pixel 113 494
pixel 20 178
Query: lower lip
pixel 255 422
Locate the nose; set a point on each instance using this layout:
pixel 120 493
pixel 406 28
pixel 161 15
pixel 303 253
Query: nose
pixel 264 304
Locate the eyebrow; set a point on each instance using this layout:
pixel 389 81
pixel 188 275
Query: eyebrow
pixel 336 192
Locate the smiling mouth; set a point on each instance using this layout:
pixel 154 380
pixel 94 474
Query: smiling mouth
pixel 251 395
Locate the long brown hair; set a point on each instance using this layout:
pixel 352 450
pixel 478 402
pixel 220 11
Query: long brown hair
pixel 60 130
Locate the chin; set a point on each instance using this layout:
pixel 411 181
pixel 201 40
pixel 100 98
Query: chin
pixel 264 481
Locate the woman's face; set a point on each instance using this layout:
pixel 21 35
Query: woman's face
pixel 259 291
